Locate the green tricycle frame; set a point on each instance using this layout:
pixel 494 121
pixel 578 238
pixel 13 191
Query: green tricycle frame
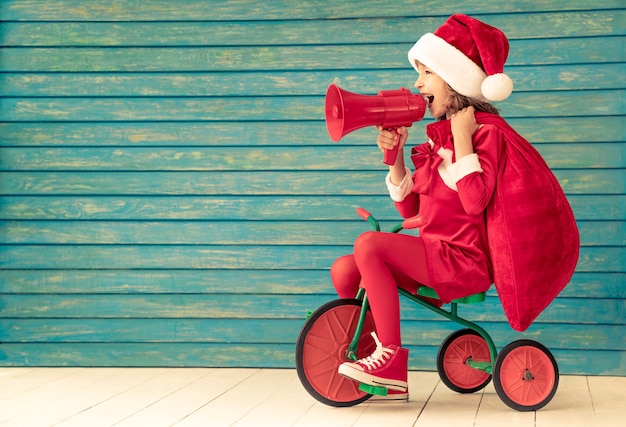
pixel 524 372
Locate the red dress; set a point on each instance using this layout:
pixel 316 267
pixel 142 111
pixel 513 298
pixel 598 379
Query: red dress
pixel 497 215
pixel 452 197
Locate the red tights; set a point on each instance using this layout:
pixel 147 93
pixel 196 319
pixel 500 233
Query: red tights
pixel 381 262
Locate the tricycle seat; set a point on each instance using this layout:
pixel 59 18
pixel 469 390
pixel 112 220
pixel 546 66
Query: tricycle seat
pixel 425 291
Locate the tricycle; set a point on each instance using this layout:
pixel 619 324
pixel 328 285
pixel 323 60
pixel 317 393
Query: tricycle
pixel 524 372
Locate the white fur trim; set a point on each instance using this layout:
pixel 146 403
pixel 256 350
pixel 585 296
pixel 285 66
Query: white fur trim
pixel 446 168
pixel 449 172
pixel 464 166
pixel 399 192
pixel 456 69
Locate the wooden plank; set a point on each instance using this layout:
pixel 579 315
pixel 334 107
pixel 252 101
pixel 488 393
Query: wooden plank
pixel 593 362
pixel 285 208
pixel 298 32
pixel 150 330
pixel 280 183
pixel 178 405
pixel 253 109
pixel 274 331
pixel 580 156
pixel 602 391
pixel 251 208
pixel 346 57
pixel 122 403
pixel 147 355
pixel 609 259
pixel 251 395
pixel 189 233
pixel 191 10
pixel 34 397
pixel 168 256
pixel 31 379
pixel 602 285
pixel 178 281
pixel 92 387
pixel 460 412
pixel 290 401
pixel 562 310
pixel 592 259
pixel 575 391
pixel 555 336
pixel 538 130
pixel 578 362
pixel 289 83
pixel 240 232
pixel 241 282
pixel 592 211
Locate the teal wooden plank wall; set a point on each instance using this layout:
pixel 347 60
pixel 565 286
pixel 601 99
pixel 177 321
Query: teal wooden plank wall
pixel 169 194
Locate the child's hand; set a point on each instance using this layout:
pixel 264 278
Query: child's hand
pixel 463 125
pixel 387 139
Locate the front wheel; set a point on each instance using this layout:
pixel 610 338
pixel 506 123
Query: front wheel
pixel 526 375
pixel 322 346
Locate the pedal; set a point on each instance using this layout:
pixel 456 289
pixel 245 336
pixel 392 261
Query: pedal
pixel 372 389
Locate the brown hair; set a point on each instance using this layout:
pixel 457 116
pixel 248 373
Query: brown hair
pixel 458 102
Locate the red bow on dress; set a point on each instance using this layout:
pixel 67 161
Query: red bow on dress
pixel 426 161
pixel 426 158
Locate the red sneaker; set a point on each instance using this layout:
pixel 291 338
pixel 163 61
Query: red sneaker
pixel 386 367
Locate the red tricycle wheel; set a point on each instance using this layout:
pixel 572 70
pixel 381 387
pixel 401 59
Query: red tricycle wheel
pixel 452 358
pixel 322 346
pixel 526 375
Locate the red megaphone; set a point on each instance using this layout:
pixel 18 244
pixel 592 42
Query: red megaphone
pixel 347 111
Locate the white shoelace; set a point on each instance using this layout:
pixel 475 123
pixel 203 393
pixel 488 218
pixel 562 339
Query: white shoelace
pixel 379 357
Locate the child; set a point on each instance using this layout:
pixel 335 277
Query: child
pixel 460 70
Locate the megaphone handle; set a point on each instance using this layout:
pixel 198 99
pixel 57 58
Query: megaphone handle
pixel 389 156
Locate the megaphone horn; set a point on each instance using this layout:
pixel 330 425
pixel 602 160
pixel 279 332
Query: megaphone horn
pixel 347 112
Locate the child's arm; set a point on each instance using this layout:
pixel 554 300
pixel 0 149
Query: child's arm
pixel 475 160
pixel 387 141
pixel 399 180
pixel 477 173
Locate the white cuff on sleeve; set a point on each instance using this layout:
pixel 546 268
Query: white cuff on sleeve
pixel 398 193
pixel 464 166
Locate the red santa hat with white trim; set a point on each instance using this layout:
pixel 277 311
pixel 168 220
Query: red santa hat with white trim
pixel 467 54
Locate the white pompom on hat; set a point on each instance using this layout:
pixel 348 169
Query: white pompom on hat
pixel 467 54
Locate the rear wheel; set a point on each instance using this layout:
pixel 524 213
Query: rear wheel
pixel 526 375
pixel 452 361
pixel 322 346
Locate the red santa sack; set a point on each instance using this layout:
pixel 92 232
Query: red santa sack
pixel 533 237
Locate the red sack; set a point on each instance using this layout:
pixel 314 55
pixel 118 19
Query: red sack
pixel 533 237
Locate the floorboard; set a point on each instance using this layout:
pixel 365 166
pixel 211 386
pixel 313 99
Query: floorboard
pixel 182 397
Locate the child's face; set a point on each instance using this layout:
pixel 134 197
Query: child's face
pixel 434 89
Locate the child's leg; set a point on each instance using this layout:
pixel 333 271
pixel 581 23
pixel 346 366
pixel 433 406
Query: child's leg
pixel 386 261
pixel 381 258
pixel 345 276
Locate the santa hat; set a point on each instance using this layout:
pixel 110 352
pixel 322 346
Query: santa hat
pixel 467 54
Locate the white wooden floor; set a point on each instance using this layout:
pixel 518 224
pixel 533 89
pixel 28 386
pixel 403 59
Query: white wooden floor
pixel 152 397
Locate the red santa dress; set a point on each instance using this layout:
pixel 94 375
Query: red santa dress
pixel 498 215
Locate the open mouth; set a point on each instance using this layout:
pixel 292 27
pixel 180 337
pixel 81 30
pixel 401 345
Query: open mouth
pixel 429 100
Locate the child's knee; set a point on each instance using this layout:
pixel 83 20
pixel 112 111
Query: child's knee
pixel 345 276
pixel 366 244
